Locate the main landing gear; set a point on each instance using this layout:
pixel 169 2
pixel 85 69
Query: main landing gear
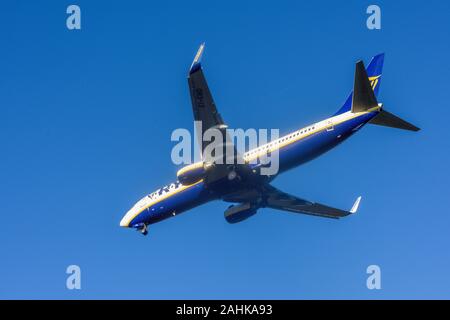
pixel 232 175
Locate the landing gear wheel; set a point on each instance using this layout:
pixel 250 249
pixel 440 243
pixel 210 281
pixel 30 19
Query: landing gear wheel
pixel 232 175
pixel 144 230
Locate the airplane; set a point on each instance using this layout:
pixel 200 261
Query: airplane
pixel 242 183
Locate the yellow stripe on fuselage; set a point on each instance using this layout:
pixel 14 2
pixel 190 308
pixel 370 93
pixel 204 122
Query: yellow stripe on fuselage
pixel 165 196
pixel 348 116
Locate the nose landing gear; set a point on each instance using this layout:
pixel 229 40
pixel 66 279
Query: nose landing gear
pixel 143 229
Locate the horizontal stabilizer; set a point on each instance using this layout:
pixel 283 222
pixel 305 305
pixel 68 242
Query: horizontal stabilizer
pixel 387 119
pixel 363 95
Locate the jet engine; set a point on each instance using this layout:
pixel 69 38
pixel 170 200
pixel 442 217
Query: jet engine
pixel 240 212
pixel 191 173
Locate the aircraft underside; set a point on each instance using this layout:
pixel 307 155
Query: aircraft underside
pixel 242 181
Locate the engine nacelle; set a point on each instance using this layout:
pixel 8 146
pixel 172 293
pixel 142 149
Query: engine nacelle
pixel 240 212
pixel 191 173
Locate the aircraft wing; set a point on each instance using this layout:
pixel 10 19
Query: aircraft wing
pixel 203 105
pixel 279 200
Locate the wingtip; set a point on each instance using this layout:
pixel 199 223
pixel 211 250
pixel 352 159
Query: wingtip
pixel 196 64
pixel 355 206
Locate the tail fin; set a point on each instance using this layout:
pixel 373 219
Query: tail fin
pixel 364 99
pixel 374 71
pixel 387 119
pixel 363 95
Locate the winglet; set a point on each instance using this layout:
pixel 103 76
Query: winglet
pixel 355 205
pixel 196 64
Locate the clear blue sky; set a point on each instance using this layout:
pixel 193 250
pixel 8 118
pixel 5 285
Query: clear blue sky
pixel 85 124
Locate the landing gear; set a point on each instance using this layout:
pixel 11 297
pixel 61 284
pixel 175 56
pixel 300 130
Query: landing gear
pixel 143 230
pixel 232 175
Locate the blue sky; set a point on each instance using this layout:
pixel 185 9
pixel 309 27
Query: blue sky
pixel 85 124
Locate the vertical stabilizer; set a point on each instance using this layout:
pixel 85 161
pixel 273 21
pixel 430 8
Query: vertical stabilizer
pixel 363 95
pixel 374 73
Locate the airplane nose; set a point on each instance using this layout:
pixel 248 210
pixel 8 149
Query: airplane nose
pixel 132 217
pixel 124 222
